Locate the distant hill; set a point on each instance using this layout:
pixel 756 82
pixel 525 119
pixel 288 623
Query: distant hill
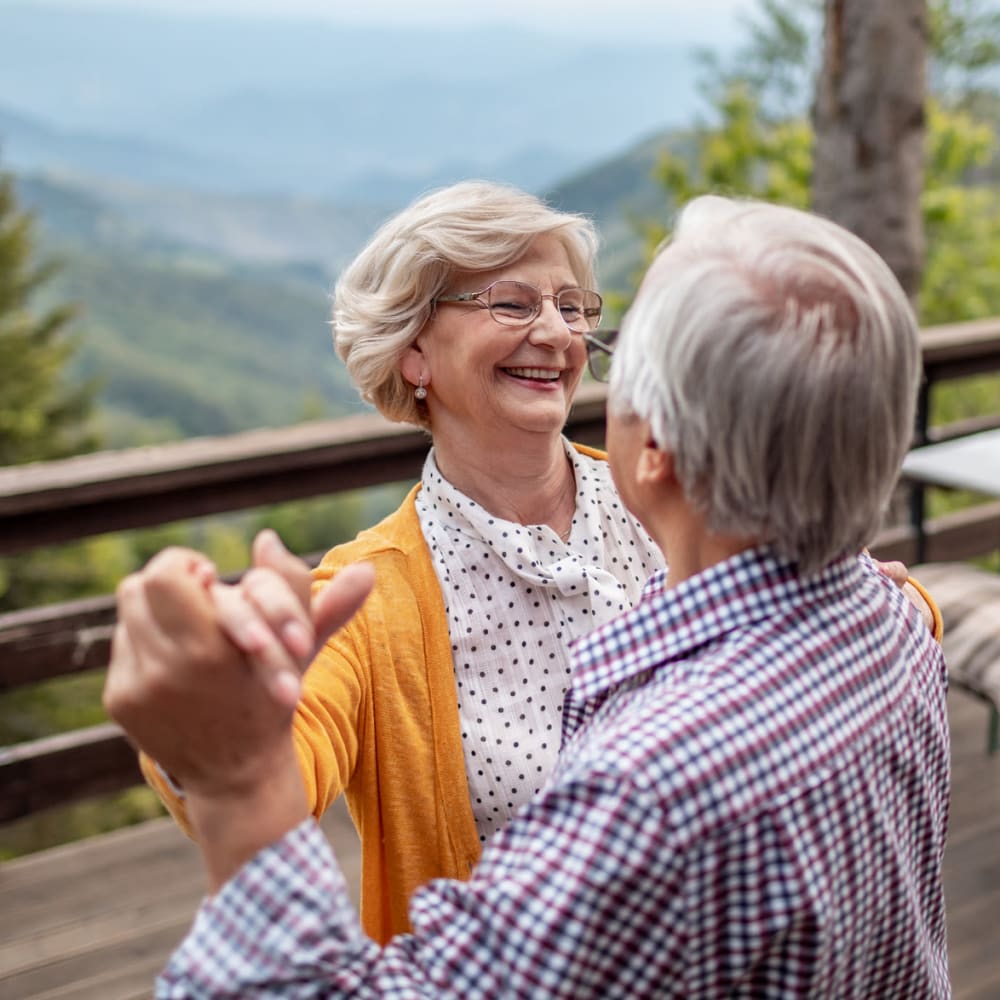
pixel 621 194
pixel 191 347
pixel 32 144
pixel 186 340
pixel 258 229
pixel 207 314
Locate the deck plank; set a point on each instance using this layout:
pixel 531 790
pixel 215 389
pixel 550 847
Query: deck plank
pixel 96 920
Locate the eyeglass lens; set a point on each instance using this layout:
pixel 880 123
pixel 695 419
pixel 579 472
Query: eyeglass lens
pixel 515 302
pixel 600 347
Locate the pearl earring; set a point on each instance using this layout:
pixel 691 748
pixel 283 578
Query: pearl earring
pixel 420 392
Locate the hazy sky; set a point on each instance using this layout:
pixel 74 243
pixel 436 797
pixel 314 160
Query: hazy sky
pixel 687 21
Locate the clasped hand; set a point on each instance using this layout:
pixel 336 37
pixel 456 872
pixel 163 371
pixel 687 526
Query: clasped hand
pixel 205 676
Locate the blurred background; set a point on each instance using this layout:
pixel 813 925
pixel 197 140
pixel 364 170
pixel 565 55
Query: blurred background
pixel 182 180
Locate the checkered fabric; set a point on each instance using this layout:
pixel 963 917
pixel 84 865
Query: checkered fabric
pixel 751 801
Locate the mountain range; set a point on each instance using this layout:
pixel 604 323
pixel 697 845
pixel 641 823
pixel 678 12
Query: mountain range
pixel 202 181
pixel 322 109
pixel 208 314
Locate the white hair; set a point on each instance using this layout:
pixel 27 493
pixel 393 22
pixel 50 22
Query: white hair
pixel 777 357
pixel 385 297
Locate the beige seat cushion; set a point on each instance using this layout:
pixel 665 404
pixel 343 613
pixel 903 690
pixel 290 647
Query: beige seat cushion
pixel 969 599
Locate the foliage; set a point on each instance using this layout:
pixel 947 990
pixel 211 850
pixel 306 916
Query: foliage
pixel 84 569
pixel 961 221
pixel 760 142
pixel 776 63
pixel 63 824
pixel 965 42
pixel 744 153
pixel 42 415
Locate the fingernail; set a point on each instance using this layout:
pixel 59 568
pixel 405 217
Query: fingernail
pixel 297 638
pixel 255 637
pixel 204 571
pixel 286 688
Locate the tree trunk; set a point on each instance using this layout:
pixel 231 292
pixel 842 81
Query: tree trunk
pixel 869 123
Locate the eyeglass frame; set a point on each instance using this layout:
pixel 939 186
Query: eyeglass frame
pixel 594 344
pixel 475 297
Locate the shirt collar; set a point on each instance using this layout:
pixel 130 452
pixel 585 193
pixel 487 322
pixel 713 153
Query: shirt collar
pixel 670 625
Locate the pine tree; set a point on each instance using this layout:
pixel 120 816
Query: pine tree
pixel 42 414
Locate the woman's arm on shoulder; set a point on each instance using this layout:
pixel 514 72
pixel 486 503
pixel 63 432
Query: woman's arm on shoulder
pixel 915 592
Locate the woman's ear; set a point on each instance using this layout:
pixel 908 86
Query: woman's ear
pixel 413 366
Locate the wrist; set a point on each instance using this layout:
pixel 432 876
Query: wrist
pixel 234 823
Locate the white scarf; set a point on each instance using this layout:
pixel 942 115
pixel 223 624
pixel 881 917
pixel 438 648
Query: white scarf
pixel 516 596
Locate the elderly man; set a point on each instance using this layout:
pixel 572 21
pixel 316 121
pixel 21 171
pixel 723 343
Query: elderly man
pixel 752 792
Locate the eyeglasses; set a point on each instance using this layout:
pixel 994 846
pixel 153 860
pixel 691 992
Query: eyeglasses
pixel 515 303
pixel 600 347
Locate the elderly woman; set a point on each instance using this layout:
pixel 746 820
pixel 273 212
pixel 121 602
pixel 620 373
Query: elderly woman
pixel 437 710
pixel 465 314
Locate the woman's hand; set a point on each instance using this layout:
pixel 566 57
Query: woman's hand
pixel 272 616
pixel 190 697
pixel 900 575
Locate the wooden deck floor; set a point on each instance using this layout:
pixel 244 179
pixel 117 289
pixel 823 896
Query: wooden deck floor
pixel 96 920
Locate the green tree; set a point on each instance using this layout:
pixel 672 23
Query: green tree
pixel 759 140
pixel 965 41
pixel 42 414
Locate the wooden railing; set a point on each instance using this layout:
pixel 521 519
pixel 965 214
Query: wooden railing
pixel 55 502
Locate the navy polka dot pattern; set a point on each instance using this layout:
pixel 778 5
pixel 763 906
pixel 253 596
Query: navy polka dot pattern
pixel 516 595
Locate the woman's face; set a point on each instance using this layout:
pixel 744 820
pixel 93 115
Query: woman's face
pixel 489 382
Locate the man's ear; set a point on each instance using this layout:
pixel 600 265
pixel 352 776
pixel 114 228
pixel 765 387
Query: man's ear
pixel 655 465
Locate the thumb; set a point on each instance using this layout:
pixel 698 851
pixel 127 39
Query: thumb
pixel 337 602
pixel 270 553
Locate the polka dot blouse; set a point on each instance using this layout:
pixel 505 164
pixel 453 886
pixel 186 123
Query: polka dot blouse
pixel 515 596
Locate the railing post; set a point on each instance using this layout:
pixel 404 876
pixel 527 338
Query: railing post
pixel 918 499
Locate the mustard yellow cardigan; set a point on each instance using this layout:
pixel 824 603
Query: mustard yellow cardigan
pixel 379 723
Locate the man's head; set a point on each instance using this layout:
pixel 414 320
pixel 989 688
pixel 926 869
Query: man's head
pixel 775 356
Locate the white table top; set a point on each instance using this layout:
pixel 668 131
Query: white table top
pixel 967 463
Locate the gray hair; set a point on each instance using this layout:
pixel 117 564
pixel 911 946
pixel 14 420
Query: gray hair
pixel 778 358
pixel 384 298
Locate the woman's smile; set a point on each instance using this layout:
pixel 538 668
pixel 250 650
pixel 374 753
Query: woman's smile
pixel 539 376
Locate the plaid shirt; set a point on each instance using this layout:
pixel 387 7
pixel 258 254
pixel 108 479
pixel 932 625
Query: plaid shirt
pixel 751 801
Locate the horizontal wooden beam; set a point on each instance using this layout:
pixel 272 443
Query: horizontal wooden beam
pixel 52 502
pixel 953 537
pixel 67 768
pixel 55 640
pixel 959 349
